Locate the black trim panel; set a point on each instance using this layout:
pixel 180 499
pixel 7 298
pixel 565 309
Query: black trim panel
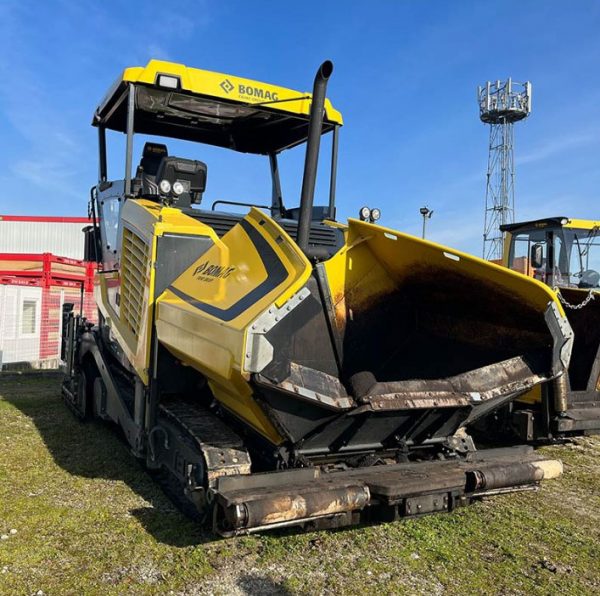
pixel 276 274
pixel 175 253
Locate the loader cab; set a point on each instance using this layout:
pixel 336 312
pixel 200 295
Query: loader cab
pixel 559 252
pixel 170 100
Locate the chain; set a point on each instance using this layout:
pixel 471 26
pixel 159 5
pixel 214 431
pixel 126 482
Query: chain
pixel 591 295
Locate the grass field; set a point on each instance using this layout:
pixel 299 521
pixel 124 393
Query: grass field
pixel 79 515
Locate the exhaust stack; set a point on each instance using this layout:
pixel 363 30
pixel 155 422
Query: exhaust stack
pixel 315 127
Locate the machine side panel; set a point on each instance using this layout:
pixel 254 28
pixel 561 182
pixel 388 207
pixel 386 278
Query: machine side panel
pixel 126 296
pixel 203 316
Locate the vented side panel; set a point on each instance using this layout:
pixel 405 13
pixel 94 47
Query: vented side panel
pixel 134 279
pixel 320 234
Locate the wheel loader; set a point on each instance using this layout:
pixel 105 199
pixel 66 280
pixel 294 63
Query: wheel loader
pixel 563 253
pixel 273 366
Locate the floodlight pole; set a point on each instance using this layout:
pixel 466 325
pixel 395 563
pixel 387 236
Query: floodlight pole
pixel 501 105
pixel 426 213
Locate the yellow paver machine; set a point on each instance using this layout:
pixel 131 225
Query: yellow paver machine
pixel 277 367
pixel 563 253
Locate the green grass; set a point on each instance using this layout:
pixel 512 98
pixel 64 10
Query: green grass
pixel 90 520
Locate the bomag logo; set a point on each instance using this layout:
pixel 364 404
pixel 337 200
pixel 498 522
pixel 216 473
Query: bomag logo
pixel 257 93
pixel 227 86
pixel 249 91
pixel 209 272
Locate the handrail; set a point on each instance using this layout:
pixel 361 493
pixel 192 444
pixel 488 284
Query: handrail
pixel 239 204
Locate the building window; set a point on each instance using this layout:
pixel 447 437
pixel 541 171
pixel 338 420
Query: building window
pixel 28 317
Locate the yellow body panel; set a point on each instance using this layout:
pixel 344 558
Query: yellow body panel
pixel 399 255
pixel 229 87
pixel 583 224
pixel 205 314
pixel 223 276
pixel 534 396
pixel 147 220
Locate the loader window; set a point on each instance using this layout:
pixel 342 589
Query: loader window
pixel 583 260
pixel 519 259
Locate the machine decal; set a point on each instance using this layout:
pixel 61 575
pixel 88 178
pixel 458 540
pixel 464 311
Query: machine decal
pixel 226 85
pixel 276 274
pixel 249 92
pixel 208 271
pixel 257 92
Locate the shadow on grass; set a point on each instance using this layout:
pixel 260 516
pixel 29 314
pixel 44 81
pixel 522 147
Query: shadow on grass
pixel 97 450
pixel 251 585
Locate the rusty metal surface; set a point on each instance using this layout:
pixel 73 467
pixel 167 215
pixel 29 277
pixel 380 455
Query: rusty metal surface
pixel 311 384
pixel 509 377
pixel 411 488
pixel 493 477
pixel 263 508
pixel 560 389
pixel 580 419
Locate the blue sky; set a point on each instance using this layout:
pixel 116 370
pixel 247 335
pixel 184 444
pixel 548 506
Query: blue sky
pixel 405 79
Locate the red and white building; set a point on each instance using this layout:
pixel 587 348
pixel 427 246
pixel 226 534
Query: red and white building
pixel 41 268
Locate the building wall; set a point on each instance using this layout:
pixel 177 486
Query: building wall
pixel 31 323
pixel 33 289
pixel 61 236
pixel 20 323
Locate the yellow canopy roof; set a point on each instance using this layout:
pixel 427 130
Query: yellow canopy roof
pixel 178 101
pixel 565 222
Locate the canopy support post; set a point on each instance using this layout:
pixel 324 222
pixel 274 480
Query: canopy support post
pixel 333 179
pixel 276 198
pixel 129 147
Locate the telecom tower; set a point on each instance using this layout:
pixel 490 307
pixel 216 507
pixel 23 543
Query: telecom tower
pixel 501 104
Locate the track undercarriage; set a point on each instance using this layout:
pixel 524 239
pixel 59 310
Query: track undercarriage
pixel 234 483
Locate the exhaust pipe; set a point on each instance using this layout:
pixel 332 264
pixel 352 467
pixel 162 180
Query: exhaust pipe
pixel 315 127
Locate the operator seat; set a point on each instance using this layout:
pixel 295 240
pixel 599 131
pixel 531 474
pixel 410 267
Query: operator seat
pixel 146 172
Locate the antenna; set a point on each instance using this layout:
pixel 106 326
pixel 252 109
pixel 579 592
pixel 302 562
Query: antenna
pixel 501 104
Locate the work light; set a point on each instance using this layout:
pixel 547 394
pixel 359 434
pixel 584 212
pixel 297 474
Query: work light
pixel 364 214
pixel 177 188
pixel 165 187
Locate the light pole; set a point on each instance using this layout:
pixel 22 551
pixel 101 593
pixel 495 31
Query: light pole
pixel 426 213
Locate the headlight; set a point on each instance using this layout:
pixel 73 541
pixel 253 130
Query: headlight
pixel 177 188
pixel 165 187
pixel 364 213
pixel 375 214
